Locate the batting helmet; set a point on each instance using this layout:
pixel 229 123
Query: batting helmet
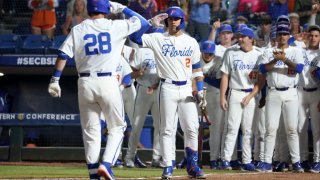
pixel 208 47
pixel 98 6
pixel 177 12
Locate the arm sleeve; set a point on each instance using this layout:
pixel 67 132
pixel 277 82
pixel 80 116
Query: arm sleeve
pixel 136 36
pixel 67 47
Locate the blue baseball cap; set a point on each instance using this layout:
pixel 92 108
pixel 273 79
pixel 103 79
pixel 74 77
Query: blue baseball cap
pixel 283 28
pixel 238 27
pixel 208 47
pixel 283 19
pixel 225 28
pixel 246 32
pixel 273 35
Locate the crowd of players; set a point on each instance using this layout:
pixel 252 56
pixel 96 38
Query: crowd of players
pixel 270 92
pixel 275 119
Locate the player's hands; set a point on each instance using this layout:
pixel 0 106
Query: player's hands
pixel 54 87
pixel 138 73
pixel 245 101
pixel 224 104
pixel 156 21
pixel 216 24
pixel 279 55
pixel 116 8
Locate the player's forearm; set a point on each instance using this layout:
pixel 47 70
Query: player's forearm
pixel 60 64
pixel 292 65
pixel 223 86
pixel 269 66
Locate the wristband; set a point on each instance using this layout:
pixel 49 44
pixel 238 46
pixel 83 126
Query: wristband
pixel 200 85
pixel 57 73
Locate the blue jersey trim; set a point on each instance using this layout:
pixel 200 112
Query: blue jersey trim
pixel 299 68
pixel 196 66
pixel 318 73
pixel 262 68
pixel 127 80
pixel 63 55
pixel 136 36
pixel 213 82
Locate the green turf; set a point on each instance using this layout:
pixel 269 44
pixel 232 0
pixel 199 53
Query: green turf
pixel 14 171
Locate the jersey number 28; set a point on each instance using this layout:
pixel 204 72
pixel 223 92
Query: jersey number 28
pixel 102 39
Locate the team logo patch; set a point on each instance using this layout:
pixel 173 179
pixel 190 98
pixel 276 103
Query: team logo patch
pixel 209 46
pixel 172 12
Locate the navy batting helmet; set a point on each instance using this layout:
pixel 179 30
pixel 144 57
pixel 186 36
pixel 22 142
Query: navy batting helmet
pixel 98 6
pixel 208 47
pixel 177 12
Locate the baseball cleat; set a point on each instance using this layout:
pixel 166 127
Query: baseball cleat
pixel 157 163
pixel 276 165
pixel 306 166
pixel 283 167
pixel 138 163
pixel 129 163
pixel 225 165
pixel 315 167
pixel 196 172
pixel 174 164
pixel 118 164
pixel 105 171
pixel 167 172
pixel 214 164
pixel 182 164
pixel 297 168
pixel 248 167
pixel 264 167
pixel 235 164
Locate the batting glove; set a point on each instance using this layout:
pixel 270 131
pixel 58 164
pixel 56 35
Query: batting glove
pixel 116 8
pixel 54 87
pixel 202 102
pixel 156 21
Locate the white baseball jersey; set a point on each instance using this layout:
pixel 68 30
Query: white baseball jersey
pixel 103 38
pixel 242 67
pixel 129 53
pixel 180 54
pixel 281 76
pixel 220 50
pixel 212 69
pixel 145 59
pixel 307 77
pixel 123 69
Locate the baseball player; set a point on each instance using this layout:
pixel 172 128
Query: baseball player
pixel 211 65
pixel 225 36
pixel 177 57
pixel 240 73
pixel 95 44
pixel 309 96
pixel 281 68
pixel 144 71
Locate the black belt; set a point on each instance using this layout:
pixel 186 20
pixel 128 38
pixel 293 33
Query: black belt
pixel 178 83
pixel 281 89
pixel 246 90
pixel 310 89
pixel 98 74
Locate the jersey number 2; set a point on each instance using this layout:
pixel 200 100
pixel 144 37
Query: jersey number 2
pixel 102 39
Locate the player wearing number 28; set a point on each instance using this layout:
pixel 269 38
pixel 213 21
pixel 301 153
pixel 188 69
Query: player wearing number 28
pixel 96 44
pixel 240 73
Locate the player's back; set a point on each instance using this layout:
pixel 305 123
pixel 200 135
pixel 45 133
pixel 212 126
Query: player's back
pixel 97 44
